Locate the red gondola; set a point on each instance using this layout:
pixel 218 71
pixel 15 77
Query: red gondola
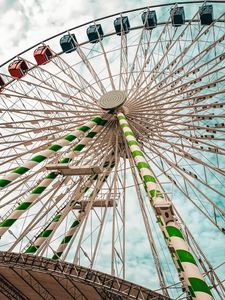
pixel 42 55
pixel 2 83
pixel 18 68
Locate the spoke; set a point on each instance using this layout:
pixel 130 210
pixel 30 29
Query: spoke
pixel 73 74
pixel 91 70
pixel 148 230
pixel 70 235
pixel 38 158
pixel 123 80
pixel 216 212
pixel 183 53
pixel 4 226
pixel 148 58
pixel 106 61
pixel 165 214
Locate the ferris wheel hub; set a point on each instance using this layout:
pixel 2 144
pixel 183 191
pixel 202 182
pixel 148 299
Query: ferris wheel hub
pixel 112 99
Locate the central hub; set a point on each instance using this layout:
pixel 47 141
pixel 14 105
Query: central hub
pixel 112 99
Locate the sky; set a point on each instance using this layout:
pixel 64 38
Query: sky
pixel 26 22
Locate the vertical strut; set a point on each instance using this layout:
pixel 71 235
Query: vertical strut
pixel 97 124
pixel 188 270
pixel 40 157
pixel 83 213
pixel 59 216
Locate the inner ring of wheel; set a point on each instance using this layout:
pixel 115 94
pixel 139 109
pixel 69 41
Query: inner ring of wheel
pixel 112 99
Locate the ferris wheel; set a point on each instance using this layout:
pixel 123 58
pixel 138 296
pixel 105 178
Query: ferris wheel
pixel 112 144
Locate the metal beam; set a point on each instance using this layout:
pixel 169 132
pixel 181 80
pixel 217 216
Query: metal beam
pixel 68 170
pixel 96 203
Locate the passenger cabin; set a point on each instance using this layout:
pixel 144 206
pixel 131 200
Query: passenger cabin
pixel 149 19
pixel 177 16
pixel 43 55
pixel 206 14
pixel 68 43
pixel 95 33
pixel 122 24
pixel 18 68
pixel 2 83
